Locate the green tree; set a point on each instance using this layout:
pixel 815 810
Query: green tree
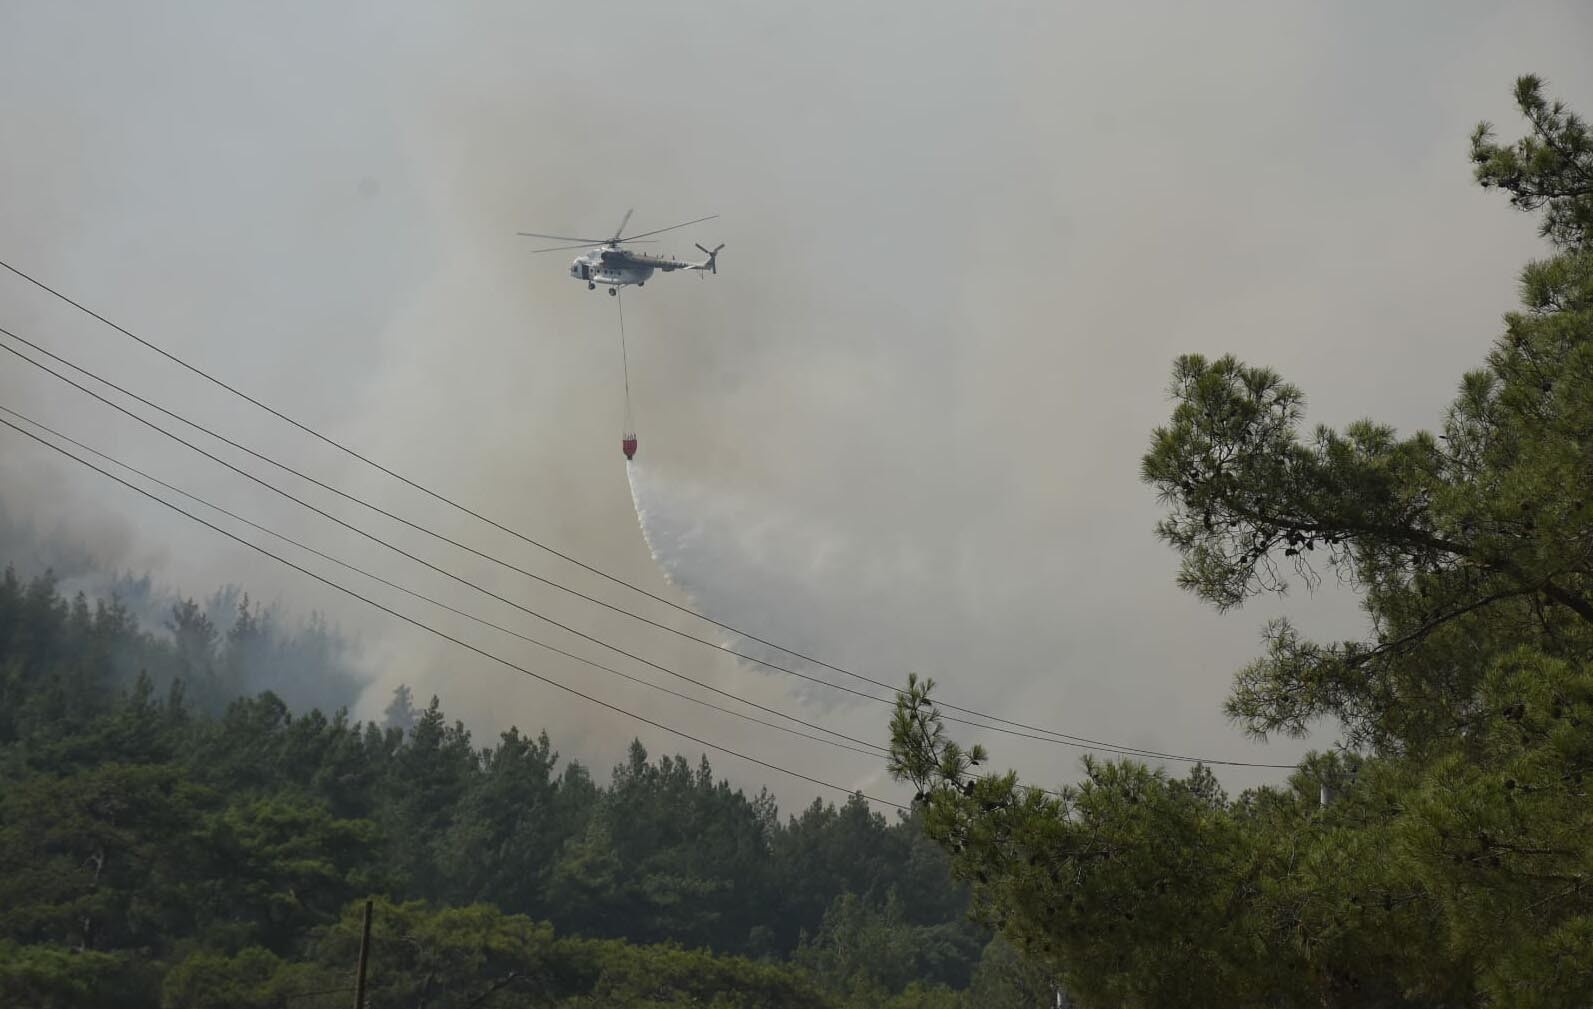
pixel 400 713
pixel 1550 169
pixel 209 856
pixel 504 841
pixel 53 977
pixel 100 859
pixel 277 867
pixel 254 978
pixel 601 973
pixel 423 786
pixel 460 956
pixel 1006 979
pixel 1452 865
pixel 862 948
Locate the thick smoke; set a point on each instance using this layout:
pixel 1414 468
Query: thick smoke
pixel 759 566
pixel 254 645
pixel 899 430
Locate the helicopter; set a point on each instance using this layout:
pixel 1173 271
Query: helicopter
pixel 616 267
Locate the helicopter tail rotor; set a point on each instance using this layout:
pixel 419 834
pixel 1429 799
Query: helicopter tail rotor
pixel 712 263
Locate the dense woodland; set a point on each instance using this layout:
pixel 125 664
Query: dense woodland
pixel 166 843
pixel 158 850
pixel 1442 855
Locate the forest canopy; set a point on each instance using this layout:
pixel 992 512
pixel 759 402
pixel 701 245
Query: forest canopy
pixel 156 850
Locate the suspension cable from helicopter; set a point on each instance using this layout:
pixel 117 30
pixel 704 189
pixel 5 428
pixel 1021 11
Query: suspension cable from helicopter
pixel 628 435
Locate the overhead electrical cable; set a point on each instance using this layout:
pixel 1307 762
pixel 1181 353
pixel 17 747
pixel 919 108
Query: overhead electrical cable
pixel 394 585
pixel 1053 737
pixel 1079 742
pixel 418 527
pixel 1083 744
pixel 421 560
pixel 1062 739
pixel 464 509
pixel 614 579
pixel 434 602
pixel 567 557
pixel 875 752
pixel 400 588
pixel 413 621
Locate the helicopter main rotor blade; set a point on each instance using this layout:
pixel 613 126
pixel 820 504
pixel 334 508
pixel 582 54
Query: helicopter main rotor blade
pixel 563 238
pixel 660 231
pixel 585 245
pixel 560 248
pixel 623 221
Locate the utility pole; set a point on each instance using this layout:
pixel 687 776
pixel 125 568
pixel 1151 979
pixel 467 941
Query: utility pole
pixel 365 950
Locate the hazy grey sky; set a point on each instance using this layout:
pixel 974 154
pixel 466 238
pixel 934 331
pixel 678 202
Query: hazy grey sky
pixel 900 429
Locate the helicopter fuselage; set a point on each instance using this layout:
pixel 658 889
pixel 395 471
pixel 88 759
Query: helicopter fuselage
pixel 614 271
pixel 616 267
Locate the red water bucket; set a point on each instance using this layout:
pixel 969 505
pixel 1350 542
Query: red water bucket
pixel 628 445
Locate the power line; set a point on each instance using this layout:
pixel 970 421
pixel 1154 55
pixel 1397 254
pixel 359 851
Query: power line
pixel 421 560
pixel 1053 737
pixel 875 752
pixel 1063 739
pixel 393 585
pixel 440 537
pixel 397 518
pixel 441 605
pixel 615 579
pixel 445 635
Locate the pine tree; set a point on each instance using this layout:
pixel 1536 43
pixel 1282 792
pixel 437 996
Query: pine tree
pixel 400 713
pixel 1453 865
